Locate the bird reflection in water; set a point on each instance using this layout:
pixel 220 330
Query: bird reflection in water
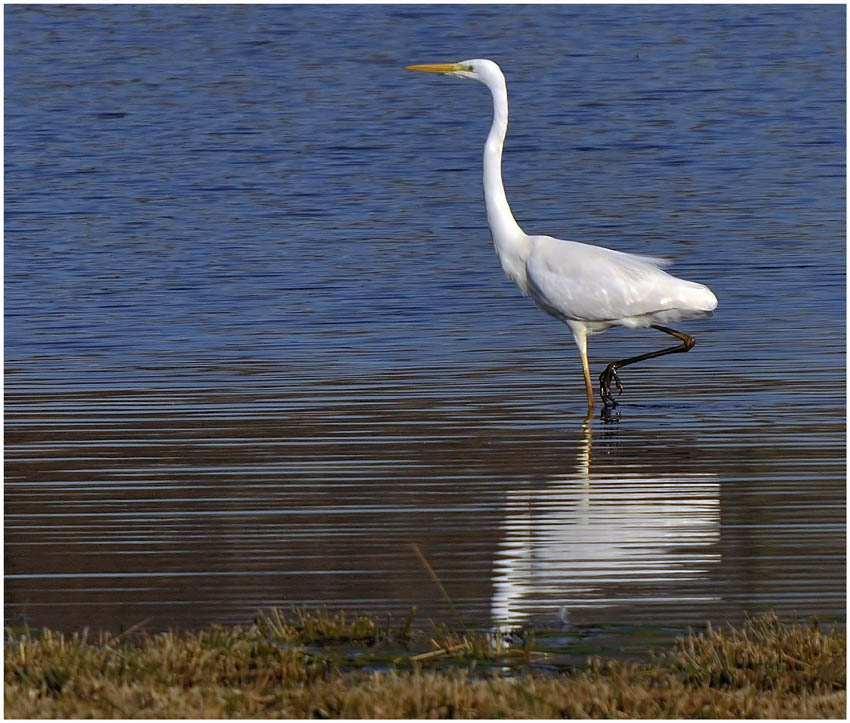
pixel 591 540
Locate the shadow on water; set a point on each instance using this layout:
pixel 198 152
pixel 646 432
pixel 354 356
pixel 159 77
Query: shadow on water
pixel 184 507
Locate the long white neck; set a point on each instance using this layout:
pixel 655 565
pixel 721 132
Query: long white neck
pixel 509 239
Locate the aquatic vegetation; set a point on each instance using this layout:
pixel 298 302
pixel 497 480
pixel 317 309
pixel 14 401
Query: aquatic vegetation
pixel 331 665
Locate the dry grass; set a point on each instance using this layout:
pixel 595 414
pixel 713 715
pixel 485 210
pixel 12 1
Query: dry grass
pixel 303 666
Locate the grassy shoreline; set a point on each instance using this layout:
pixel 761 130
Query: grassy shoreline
pixel 329 665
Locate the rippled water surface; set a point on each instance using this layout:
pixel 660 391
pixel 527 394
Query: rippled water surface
pixel 258 345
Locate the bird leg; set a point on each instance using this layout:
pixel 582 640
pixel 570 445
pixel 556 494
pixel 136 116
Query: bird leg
pixel 580 336
pixel 587 383
pixel 610 373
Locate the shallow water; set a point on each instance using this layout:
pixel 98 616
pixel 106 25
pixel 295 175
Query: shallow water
pixel 258 345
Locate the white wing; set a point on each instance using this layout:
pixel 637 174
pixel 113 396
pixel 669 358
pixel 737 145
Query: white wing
pixel 575 281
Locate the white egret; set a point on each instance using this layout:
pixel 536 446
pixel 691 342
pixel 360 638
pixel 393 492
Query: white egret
pixel 589 288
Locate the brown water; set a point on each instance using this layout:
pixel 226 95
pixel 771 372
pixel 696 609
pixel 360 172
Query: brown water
pixel 183 506
pixel 258 345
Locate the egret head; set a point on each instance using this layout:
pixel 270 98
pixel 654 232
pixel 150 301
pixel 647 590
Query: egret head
pixel 480 69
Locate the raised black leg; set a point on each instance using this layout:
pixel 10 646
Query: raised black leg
pixel 610 373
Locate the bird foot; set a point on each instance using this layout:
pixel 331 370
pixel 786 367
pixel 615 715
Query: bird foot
pixel 605 379
pixel 610 415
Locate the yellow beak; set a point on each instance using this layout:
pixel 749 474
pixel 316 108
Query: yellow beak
pixel 436 67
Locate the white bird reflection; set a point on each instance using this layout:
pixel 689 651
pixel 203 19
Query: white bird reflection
pixel 587 540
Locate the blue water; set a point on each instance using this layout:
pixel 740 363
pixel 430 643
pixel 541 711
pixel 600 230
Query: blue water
pixel 257 342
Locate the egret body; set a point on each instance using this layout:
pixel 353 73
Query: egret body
pixel 589 288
